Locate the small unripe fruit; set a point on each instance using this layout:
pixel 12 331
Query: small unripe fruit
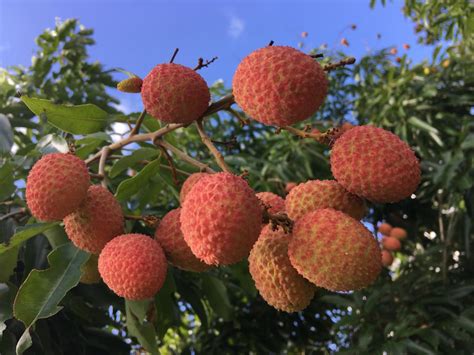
pixel 90 272
pixel 393 51
pixel 131 85
pixel 97 220
pixel 278 282
pixel 345 42
pixel 188 185
pixel 384 229
pixel 275 203
pixel 334 251
pixel 221 219
pixel 398 233
pixel 406 46
pixel 279 85
pixel 174 93
pixel 316 194
pixel 56 186
pixel 169 236
pixel 387 258
pixel 391 243
pixel 445 63
pixel 375 164
pixel 133 266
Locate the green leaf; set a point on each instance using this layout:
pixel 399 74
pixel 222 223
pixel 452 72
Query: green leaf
pixel 216 293
pixel 416 122
pixel 6 134
pixel 167 313
pixel 7 296
pixel 7 182
pixel 52 143
pixel 143 331
pixel 130 160
pixel 39 295
pixel 8 261
pixel 129 187
pixel 24 233
pixel 80 119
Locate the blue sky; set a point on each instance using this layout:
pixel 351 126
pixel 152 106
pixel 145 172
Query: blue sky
pixel 138 34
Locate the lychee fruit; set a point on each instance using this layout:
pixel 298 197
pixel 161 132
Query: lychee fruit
pixel 406 46
pixel 345 42
pixel 391 243
pixel 56 186
pixel 315 194
pixel 279 85
pixel 133 266
pixel 188 184
pixel 278 282
pixel 334 251
pixel 90 272
pixel 221 219
pixel 174 93
pixel 398 233
pixel 384 229
pixel 131 85
pixel 97 220
pixel 289 186
pixel 169 236
pixel 387 258
pixel 275 203
pixel 375 164
pixel 393 51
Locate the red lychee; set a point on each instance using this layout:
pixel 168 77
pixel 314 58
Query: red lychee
pixel 188 184
pixel 398 233
pixel 384 229
pixel 275 203
pixel 387 258
pixel 391 243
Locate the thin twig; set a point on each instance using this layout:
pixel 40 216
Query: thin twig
pixel 171 164
pixel 103 159
pixel 243 121
pixel 341 63
pixel 138 123
pixel 214 151
pixel 317 55
pixel 174 55
pixel 20 211
pixel 150 220
pixel 204 64
pixel 183 156
pixel 271 43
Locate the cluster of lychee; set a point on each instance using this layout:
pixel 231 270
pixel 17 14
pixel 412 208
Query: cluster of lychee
pixel 391 241
pixel 221 220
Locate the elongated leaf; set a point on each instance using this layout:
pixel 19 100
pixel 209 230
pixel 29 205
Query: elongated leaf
pixel 7 296
pixel 22 234
pixel 216 293
pixel 167 313
pixel 129 187
pixel 6 134
pixel 8 261
pixel 143 331
pixel 7 185
pixel 130 160
pixel 416 122
pixel 80 119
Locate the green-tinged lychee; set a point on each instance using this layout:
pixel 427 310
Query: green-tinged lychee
pixel 56 186
pixel 188 184
pixel 315 194
pixel 133 266
pixel 171 239
pixel 90 272
pixel 97 220
pixel 391 243
pixel 278 85
pixel 174 93
pixel 334 251
pixel 221 219
pixel 375 164
pixel 278 282
pixel 275 203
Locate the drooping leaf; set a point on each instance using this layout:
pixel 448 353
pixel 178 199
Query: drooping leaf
pixel 142 330
pixel 22 234
pixel 216 293
pixel 129 187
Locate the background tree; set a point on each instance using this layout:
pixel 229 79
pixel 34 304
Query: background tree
pixel 423 304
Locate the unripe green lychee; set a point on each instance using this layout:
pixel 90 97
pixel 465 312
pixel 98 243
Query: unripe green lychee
pixel 97 220
pixel 133 266
pixel 315 194
pixel 56 186
pixel 398 233
pixel 334 251
pixel 385 229
pixel 275 203
pixel 278 85
pixel 171 239
pixel 188 185
pixel 391 243
pixel 90 272
pixel 131 85
pixel 375 164
pixel 387 258
pixel 278 282
pixel 174 93
pixel 221 219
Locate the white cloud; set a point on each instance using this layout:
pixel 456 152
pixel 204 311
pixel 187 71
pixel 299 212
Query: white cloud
pixel 236 26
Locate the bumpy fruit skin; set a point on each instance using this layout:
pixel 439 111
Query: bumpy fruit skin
pixel 56 186
pixel 188 185
pixel 169 236
pixel 334 251
pixel 315 194
pixel 278 282
pixel 391 243
pixel 387 258
pixel 279 85
pixel 221 219
pixel 384 229
pixel 398 233
pixel 289 186
pixel 275 203
pixel 131 85
pixel 97 220
pixel 90 272
pixel 174 93
pixel 133 266
pixel 375 164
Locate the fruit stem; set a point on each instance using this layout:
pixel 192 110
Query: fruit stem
pixel 212 148
pixel 138 123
